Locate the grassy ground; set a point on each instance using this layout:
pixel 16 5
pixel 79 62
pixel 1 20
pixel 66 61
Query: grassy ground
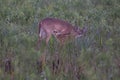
pixel 96 56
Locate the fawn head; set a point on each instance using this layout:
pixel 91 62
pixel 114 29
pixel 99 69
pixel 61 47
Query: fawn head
pixel 80 32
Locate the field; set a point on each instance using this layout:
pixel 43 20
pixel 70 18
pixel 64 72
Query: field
pixel 95 56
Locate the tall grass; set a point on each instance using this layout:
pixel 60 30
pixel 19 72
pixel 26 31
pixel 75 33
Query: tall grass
pixel 96 55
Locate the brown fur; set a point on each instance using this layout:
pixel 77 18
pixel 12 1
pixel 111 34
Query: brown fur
pixel 60 29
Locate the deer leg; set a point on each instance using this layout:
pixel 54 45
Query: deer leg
pixel 48 38
pixel 38 43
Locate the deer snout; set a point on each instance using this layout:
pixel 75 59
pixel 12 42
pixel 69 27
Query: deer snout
pixel 79 35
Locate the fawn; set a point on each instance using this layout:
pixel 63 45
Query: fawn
pixel 59 29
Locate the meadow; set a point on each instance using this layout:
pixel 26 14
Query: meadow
pixel 94 56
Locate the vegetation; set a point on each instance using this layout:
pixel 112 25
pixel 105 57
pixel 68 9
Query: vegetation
pixel 96 56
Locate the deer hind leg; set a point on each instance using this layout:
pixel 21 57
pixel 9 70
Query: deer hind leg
pixel 48 38
pixel 42 35
pixel 38 43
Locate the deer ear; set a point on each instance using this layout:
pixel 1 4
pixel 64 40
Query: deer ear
pixel 84 29
pixel 76 28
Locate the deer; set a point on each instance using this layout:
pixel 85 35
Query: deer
pixel 60 29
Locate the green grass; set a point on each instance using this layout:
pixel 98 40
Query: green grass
pixel 97 53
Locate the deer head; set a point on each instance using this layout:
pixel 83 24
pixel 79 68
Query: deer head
pixel 80 32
